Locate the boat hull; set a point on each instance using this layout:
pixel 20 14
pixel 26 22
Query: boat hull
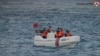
pixel 51 41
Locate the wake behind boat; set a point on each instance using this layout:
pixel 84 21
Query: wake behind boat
pixel 51 41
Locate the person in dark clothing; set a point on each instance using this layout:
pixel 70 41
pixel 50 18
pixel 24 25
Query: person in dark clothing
pixel 68 34
pixel 49 29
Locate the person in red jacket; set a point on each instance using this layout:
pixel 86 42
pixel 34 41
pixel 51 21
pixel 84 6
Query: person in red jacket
pixel 68 34
pixel 44 33
pixel 59 33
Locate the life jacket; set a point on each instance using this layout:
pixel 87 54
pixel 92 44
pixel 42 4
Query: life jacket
pixel 67 34
pixel 44 33
pixel 59 34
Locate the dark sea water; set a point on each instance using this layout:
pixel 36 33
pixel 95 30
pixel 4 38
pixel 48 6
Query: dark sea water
pixel 17 32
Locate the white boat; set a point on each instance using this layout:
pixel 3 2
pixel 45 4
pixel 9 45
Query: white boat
pixel 51 41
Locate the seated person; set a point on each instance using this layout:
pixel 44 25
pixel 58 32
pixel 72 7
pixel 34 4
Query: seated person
pixel 59 33
pixel 67 34
pixel 49 29
pixel 44 33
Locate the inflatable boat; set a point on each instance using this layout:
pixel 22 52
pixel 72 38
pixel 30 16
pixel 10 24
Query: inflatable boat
pixel 51 41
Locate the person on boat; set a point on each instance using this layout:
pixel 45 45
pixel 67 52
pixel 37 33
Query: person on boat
pixel 49 29
pixel 68 34
pixel 44 33
pixel 59 33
